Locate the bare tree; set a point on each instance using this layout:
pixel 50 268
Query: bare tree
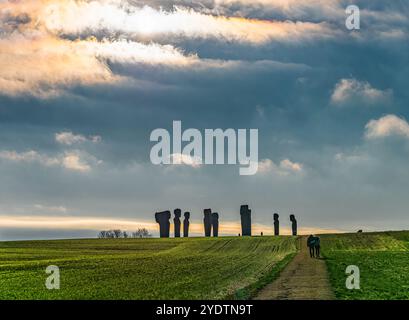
pixel 117 233
pixel 102 234
pixel 110 234
pixel 141 233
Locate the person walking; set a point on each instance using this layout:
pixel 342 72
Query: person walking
pixel 317 246
pixel 310 244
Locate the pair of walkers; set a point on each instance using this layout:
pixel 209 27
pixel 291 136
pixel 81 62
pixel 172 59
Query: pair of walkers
pixel 314 244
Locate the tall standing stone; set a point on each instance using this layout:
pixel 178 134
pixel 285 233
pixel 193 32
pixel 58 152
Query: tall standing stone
pixel 276 224
pixel 176 222
pixel 294 224
pixel 164 225
pixel 215 224
pixel 186 224
pixel 207 221
pixel 245 214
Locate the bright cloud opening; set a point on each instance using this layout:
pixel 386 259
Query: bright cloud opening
pixel 77 17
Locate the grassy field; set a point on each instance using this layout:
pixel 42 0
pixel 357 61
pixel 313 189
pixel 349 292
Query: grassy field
pixel 383 260
pixel 194 268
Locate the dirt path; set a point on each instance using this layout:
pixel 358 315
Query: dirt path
pixel 304 278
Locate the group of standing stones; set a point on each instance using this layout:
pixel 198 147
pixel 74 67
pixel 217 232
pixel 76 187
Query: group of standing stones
pixel 211 222
pixel 277 224
pixel 164 224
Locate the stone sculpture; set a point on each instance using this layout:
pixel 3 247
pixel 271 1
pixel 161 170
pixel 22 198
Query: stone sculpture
pixel 176 222
pixel 294 224
pixel 207 221
pixel 164 225
pixel 215 224
pixel 276 224
pixel 245 214
pixel 186 224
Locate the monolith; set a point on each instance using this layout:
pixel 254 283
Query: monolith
pixel 294 224
pixel 207 221
pixel 276 224
pixel 245 214
pixel 176 222
pixel 186 224
pixel 164 225
pixel 215 224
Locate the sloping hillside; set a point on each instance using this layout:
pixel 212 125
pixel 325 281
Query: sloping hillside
pixel 194 268
pixel 383 260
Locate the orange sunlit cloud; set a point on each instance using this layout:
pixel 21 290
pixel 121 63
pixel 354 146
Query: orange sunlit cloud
pixel 36 59
pixel 79 16
pixel 41 65
pixel 70 16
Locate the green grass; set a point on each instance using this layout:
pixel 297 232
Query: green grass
pixel 194 268
pixel 252 289
pixel 383 260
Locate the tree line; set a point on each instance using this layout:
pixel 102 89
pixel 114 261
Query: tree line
pixel 118 233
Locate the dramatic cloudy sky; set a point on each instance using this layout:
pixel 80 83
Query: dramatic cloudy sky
pixel 83 84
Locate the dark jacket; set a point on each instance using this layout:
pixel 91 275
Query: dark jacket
pixel 310 241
